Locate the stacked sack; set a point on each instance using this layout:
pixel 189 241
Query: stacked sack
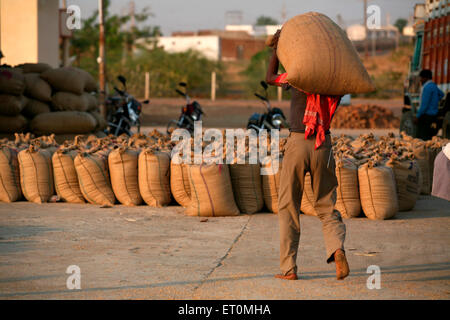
pixel 36 98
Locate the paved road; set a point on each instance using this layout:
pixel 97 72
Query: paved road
pixel 158 253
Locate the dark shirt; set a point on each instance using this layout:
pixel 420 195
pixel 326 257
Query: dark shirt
pixel 298 107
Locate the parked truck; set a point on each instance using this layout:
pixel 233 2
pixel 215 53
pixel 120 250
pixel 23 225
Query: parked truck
pixel 431 51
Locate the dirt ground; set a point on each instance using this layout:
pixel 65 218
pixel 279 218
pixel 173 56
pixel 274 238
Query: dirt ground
pixel 158 253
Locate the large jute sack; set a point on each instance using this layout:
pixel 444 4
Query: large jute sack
pixel 92 101
pixel 37 88
pixel 36 174
pixel 66 101
pixel 34 67
pixel 307 205
pixel 348 202
pixel 211 191
pixel 154 178
pixel 13 124
pixel 271 186
pixel 9 175
pixel 123 169
pixel 11 105
pixel 407 178
pixel 65 79
pixel 247 187
pixel 12 81
pixel 101 121
pixel 92 172
pixel 90 84
pixel 319 57
pixel 63 122
pixel 179 183
pixel 423 156
pixel 66 179
pixel 377 191
pixel 35 107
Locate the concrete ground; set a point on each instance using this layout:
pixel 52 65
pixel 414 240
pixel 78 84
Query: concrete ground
pixel 158 253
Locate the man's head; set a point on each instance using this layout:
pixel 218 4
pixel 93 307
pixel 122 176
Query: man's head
pixel 425 75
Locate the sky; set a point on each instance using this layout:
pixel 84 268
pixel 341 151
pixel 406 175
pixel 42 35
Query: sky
pixel 193 15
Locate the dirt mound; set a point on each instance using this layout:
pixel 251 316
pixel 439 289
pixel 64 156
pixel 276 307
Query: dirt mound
pixel 364 117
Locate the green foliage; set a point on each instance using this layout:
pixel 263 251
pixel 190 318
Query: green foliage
pixel 401 24
pixel 388 85
pixel 266 21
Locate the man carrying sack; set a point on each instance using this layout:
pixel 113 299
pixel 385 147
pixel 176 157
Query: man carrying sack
pixel 308 149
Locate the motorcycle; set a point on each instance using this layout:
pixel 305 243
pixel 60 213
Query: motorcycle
pixel 190 112
pixel 272 119
pixel 123 111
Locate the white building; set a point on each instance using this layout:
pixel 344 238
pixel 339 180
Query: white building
pixel 357 32
pixel 257 31
pixel 240 27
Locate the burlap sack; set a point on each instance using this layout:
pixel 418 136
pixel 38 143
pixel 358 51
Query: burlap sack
pixel 211 191
pixel 34 67
pixel 66 101
pixel 35 107
pixel 90 83
pixel 63 122
pixel 319 57
pixel 307 205
pixel 123 168
pixel 92 172
pixel 179 184
pixel 12 81
pixel 11 105
pixel 154 178
pixel 101 121
pixel 65 79
pixel 377 191
pixel 37 88
pixel 13 124
pixel 93 103
pixel 271 187
pixel 407 178
pixel 347 202
pixel 423 157
pixel 36 174
pixel 247 187
pixel 66 179
pixel 9 175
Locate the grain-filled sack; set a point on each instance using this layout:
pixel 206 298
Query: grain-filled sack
pixel 271 186
pixel 11 105
pixel 247 187
pixel 66 101
pixel 35 107
pixel 154 178
pixel 407 178
pixel 348 202
pixel 211 191
pixel 92 172
pixel 179 183
pixel 101 121
pixel 13 124
pixel 9 175
pixel 65 79
pixel 423 156
pixel 36 174
pixel 123 169
pixel 92 101
pixel 66 179
pixel 90 84
pixel 34 67
pixel 12 81
pixel 37 88
pixel 63 122
pixel 377 191
pixel 307 205
pixel 319 57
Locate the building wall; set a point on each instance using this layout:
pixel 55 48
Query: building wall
pixel 209 46
pixel 29 31
pixel 241 49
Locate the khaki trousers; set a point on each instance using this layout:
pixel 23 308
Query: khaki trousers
pixel 300 158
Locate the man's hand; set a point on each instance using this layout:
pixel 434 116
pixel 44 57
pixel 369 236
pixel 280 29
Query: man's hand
pixel 275 38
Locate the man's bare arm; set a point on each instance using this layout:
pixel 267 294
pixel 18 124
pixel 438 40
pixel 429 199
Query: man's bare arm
pixel 272 71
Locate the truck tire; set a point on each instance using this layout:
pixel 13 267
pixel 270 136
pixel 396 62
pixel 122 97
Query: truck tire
pixel 407 124
pixel 446 126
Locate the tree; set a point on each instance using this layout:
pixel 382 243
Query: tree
pixel 401 24
pixel 266 21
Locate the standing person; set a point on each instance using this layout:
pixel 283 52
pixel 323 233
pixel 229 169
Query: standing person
pixel 430 96
pixel 308 149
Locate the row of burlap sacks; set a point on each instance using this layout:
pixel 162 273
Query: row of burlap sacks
pixel 36 98
pixel 136 170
